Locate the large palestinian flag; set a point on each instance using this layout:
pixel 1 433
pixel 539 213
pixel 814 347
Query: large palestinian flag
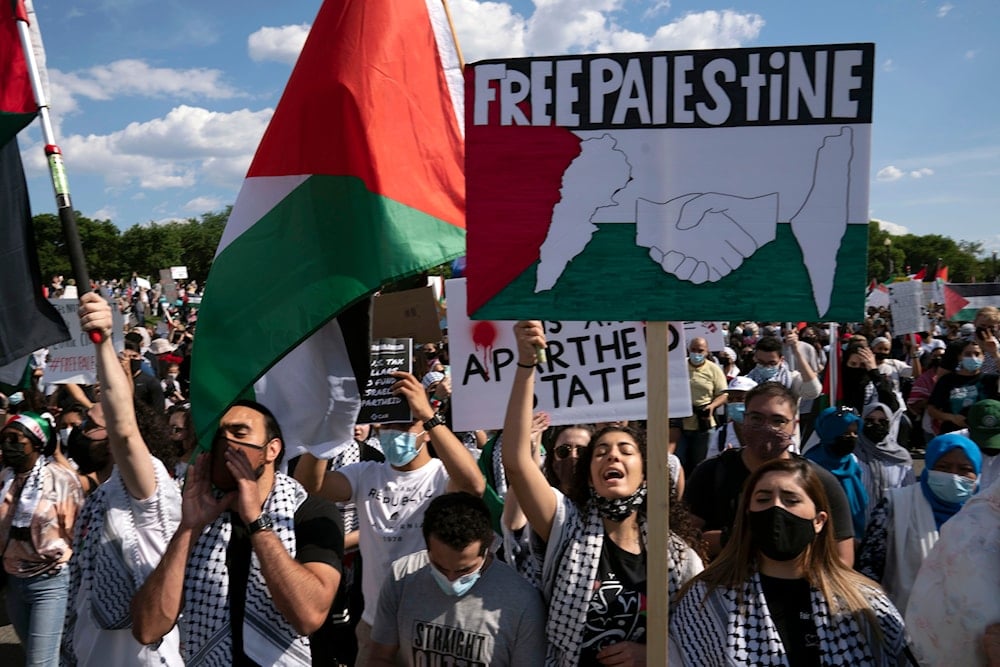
pixel 962 300
pixel 357 182
pixel 17 103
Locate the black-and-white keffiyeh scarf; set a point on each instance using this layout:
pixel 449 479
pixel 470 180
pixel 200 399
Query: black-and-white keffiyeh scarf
pixel 106 563
pixel 783 376
pixel 268 638
pixel 619 509
pixel 31 492
pixel 718 632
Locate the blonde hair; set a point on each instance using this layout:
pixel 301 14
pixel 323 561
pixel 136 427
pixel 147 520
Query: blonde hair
pixel 840 586
pixel 991 313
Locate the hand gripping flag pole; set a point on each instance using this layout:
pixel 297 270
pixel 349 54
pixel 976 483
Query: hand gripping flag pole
pixel 57 170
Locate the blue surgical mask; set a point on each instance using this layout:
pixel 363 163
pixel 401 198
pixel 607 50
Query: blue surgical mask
pixel 458 587
pixel 735 412
pixel 399 447
pixel 766 372
pixel 972 364
pixel 696 359
pixel 950 488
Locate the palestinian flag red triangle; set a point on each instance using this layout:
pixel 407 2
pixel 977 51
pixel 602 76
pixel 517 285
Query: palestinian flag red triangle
pixel 953 302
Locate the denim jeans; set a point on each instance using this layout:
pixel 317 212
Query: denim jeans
pixel 36 607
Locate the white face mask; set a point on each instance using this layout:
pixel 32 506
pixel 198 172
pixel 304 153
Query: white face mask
pixel 64 436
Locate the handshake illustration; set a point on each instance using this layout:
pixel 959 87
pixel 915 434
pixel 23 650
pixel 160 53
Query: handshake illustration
pixel 703 237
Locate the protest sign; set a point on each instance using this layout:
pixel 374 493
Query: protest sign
pixel 142 282
pixel 712 332
pixel 168 285
pixel 74 361
pixel 726 184
pixel 595 371
pixel 408 314
pixel 179 272
pixel 378 404
pixel 908 307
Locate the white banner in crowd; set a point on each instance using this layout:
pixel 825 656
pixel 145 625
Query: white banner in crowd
pixel 75 362
pixel 595 372
pixel 908 307
pixel 712 332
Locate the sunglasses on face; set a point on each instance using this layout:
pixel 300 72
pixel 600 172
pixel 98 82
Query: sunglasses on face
pixel 563 451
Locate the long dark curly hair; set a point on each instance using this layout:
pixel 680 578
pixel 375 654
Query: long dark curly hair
pixel 681 523
pixel 155 430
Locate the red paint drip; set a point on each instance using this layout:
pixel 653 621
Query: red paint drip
pixel 484 335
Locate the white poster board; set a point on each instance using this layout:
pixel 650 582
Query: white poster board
pixel 74 361
pixel 909 310
pixel 595 372
pixel 712 332
pixel 179 272
pixel 142 282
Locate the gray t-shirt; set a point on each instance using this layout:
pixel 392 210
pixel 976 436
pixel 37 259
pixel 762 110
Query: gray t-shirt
pixel 501 621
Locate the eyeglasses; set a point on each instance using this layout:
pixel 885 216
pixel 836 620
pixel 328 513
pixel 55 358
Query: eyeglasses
pixel 251 445
pixel 563 451
pixel 758 419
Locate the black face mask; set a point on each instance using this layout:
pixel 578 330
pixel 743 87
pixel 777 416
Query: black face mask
pixel 880 357
pixel 135 365
pixel 934 362
pixel 13 452
pixel 843 445
pixel 779 534
pixel 89 455
pixel 876 432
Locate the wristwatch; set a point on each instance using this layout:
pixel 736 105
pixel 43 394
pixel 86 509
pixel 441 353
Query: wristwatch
pixel 263 522
pixel 436 420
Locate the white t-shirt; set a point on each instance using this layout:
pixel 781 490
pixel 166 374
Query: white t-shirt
pixel 390 505
pixel 96 646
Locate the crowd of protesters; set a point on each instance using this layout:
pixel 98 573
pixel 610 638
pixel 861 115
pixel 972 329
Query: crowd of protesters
pixel 801 532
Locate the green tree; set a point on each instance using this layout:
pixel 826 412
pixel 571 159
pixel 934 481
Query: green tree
pixel 99 239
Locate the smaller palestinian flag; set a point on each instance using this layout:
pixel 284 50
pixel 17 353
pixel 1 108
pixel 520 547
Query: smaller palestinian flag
pixel 962 300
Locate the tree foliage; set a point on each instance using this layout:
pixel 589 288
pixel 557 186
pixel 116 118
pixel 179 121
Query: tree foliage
pixel 145 249
pixel 895 256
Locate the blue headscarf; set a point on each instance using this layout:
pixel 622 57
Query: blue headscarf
pixel 937 448
pixel 831 423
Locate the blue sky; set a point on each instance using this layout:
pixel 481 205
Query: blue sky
pixel 159 104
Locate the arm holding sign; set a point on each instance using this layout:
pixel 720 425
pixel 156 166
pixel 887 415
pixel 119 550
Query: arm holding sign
pixel 524 477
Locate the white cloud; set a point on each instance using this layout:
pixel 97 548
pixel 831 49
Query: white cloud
pixel 136 78
pixel 970 54
pixel 202 204
pixel 893 173
pixel 656 8
pixel 888 65
pixel 891 227
pixel 281 44
pixel 890 173
pixel 188 146
pixel 104 213
pixel 944 9
pixel 494 29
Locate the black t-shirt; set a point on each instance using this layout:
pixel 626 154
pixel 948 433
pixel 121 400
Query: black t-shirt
pixel 955 394
pixel 617 609
pixel 790 604
pixel 712 493
pixel 319 538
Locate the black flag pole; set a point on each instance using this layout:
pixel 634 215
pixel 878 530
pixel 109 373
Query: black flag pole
pixel 57 170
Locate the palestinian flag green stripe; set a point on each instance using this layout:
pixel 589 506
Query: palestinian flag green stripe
pixel 327 244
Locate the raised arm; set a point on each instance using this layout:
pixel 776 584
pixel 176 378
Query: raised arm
pixel 463 473
pixel 127 446
pixel 537 499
